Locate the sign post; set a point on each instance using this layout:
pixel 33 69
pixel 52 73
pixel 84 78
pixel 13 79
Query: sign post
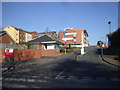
pixel 65 45
pixel 9 58
pixel 82 50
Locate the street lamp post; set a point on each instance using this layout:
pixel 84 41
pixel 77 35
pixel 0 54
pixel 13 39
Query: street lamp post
pixel 109 43
pixel 109 26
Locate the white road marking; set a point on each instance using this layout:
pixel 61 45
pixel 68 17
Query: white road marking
pixel 60 74
pixel 46 77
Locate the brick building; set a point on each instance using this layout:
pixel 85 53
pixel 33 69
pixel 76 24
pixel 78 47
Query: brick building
pixel 75 38
pixel 20 35
pixel 34 35
pixel 5 38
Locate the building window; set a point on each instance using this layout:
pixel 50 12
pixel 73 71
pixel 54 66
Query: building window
pixel 74 35
pixel 10 42
pixel 74 42
pixel 16 39
pixel 16 34
pixel 64 35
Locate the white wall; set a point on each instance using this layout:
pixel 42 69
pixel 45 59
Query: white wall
pixel 28 37
pixel 50 46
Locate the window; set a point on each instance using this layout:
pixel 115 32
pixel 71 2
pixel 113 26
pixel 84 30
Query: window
pixel 16 34
pixel 16 39
pixel 64 35
pixel 74 35
pixel 10 42
pixel 74 42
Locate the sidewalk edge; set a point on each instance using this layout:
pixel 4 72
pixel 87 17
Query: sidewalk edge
pixel 109 62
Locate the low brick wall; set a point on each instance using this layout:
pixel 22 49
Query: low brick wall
pixel 26 54
pixel 50 52
pixel 2 55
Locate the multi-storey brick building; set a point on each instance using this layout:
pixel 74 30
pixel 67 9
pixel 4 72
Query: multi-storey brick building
pixel 34 35
pixel 76 38
pixel 19 35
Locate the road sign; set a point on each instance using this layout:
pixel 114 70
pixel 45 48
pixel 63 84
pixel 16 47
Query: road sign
pixel 9 53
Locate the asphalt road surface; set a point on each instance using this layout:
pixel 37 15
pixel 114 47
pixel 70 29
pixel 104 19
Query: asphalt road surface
pixel 87 71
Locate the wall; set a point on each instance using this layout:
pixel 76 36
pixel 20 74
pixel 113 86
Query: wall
pixel 2 55
pixel 34 35
pixel 49 52
pixel 22 36
pixel 26 54
pixel 12 31
pixel 50 46
pixel 28 37
pixel 5 39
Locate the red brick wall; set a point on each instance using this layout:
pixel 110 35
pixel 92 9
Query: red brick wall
pixel 50 52
pixel 26 54
pixel 2 55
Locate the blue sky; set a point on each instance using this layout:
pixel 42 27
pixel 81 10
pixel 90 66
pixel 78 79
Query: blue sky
pixel 37 16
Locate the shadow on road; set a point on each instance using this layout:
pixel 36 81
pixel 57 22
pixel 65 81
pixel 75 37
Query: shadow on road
pixel 85 69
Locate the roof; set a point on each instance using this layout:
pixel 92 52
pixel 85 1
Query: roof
pixel 47 32
pixel 44 38
pixel 2 33
pixel 20 29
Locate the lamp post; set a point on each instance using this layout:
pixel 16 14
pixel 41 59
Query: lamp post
pixel 109 26
pixel 109 42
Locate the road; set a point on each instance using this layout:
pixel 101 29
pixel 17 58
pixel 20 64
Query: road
pixel 88 71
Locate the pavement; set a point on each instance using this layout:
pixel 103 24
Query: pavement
pixel 109 59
